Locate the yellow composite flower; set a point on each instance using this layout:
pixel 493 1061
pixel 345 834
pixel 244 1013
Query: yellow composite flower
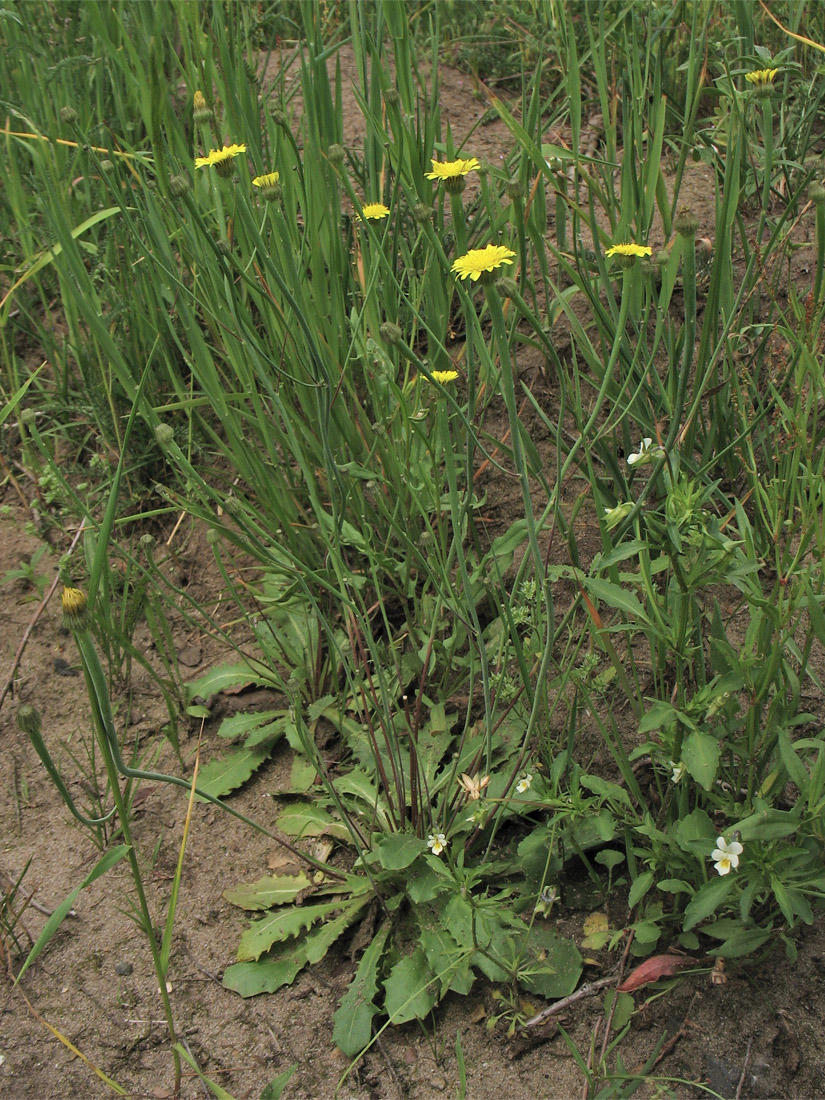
pixel 480 262
pixel 761 78
pixel 444 376
pixel 269 180
pixel 375 211
pixel 220 159
pixel 630 250
pixel 451 169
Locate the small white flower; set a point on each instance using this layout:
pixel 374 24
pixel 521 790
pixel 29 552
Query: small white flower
pixel 438 842
pixel 726 855
pixel 524 783
pixel 647 452
pixel 679 771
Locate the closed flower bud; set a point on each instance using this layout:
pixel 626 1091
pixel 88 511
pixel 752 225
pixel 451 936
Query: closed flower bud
pixel 515 188
pixel 391 97
pixel 233 506
pixel 213 536
pixel 179 185
pixel 164 434
pixel 816 192
pixel 223 246
pixel 146 543
pixel 686 222
pixel 28 720
pixel 390 333
pixel 280 119
pixel 507 288
pixel 422 213
pixel 73 602
pixel 68 115
pixel 336 155
pixel 662 257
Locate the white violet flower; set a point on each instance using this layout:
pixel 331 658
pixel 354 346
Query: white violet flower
pixel 524 783
pixel 614 516
pixel 646 453
pixel 437 842
pixel 679 771
pixel 726 855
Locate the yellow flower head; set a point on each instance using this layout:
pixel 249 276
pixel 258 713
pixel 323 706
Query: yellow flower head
pixel 269 180
pixel 270 188
pixel 449 169
pixel 452 172
pixel 444 376
pixel 221 159
pixel 480 263
pixel 761 78
pixel 375 211
pixel 629 250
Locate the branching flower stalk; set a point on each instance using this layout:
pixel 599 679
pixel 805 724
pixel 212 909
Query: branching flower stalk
pixel 459 514
pixel 76 618
pixel 767 165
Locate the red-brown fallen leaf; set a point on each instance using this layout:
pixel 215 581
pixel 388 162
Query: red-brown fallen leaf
pixel 653 970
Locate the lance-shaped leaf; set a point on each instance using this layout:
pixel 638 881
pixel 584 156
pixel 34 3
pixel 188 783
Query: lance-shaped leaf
pixel 353 1017
pixel 410 990
pixel 267 892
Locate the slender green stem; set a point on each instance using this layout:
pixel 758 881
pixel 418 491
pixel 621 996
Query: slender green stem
pixel 94 684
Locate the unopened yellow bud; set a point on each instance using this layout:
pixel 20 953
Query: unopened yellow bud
pixel 74 608
pixel 200 109
pixel 73 600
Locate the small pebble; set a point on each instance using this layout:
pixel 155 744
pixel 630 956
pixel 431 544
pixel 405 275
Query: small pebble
pixel 123 969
